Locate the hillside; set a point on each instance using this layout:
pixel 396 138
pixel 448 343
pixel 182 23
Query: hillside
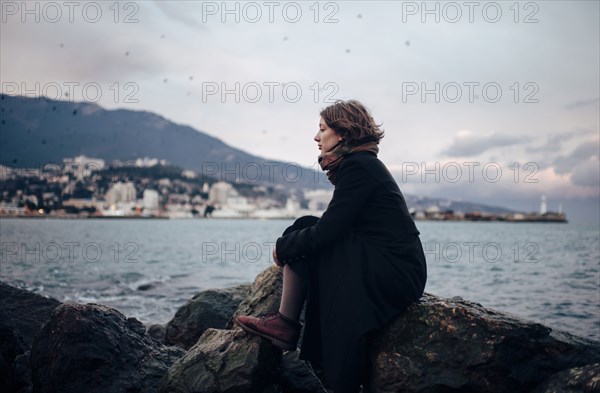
pixel 36 131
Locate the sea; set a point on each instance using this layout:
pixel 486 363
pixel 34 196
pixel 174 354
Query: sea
pixel 148 268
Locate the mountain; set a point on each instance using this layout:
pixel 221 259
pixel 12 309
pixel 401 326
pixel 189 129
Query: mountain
pixel 37 131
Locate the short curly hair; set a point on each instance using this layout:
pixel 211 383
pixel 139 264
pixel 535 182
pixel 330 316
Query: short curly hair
pixel 352 121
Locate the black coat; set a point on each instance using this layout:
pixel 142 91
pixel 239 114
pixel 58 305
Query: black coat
pixel 365 264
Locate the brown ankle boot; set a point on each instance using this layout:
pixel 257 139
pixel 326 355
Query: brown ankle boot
pixel 282 331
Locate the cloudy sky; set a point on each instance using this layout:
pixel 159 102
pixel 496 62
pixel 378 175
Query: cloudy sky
pixel 490 102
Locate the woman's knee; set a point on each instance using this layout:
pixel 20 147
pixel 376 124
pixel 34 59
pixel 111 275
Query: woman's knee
pixel 301 223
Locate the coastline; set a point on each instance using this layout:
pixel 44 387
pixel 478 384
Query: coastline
pixel 527 220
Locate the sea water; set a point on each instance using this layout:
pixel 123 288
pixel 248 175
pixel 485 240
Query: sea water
pixel 145 268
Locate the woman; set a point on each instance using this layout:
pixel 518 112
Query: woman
pixel 358 266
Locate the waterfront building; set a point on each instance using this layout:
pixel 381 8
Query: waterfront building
pixel 120 192
pixel 318 200
pixel 220 192
pixel 150 201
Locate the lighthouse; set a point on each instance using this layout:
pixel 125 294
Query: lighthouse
pixel 543 209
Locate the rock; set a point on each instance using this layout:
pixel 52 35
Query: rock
pixel 584 379
pixel 12 352
pixel 224 361
pixel 27 310
pixel 207 309
pixel 441 345
pixel 157 332
pixel 93 348
pixel 22 314
pixel 437 345
pixel 274 389
pixel 296 376
pixel 264 296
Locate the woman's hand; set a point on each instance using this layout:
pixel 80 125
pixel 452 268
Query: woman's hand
pixel 275 260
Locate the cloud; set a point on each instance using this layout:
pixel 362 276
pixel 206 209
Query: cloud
pixel 555 142
pixel 80 52
pixel 583 152
pixel 587 174
pixel 183 13
pixel 582 103
pixel 466 143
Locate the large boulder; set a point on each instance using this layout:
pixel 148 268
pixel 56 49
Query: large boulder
pixel 22 314
pixel 208 309
pixel 27 310
pixel 12 357
pixel 93 348
pixel 264 296
pixel 224 361
pixel 232 360
pixel 584 379
pixel 296 376
pixel 157 332
pixel 441 345
pixel 437 345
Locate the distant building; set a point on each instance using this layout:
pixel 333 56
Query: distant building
pixel 240 204
pixel 150 200
pixel 292 205
pixel 220 192
pixel 5 172
pixel 433 209
pixel 81 203
pixel 120 192
pixel 31 198
pixel 188 174
pixel 318 200
pixel 543 208
pixel 166 182
pixel 11 209
pixel 82 166
pixel 149 162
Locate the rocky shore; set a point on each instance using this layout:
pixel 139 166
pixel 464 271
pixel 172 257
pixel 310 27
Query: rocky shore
pixel 437 345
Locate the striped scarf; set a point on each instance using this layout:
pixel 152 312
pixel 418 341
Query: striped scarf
pixel 332 159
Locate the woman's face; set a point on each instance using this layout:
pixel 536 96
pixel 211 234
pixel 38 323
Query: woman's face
pixel 326 137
